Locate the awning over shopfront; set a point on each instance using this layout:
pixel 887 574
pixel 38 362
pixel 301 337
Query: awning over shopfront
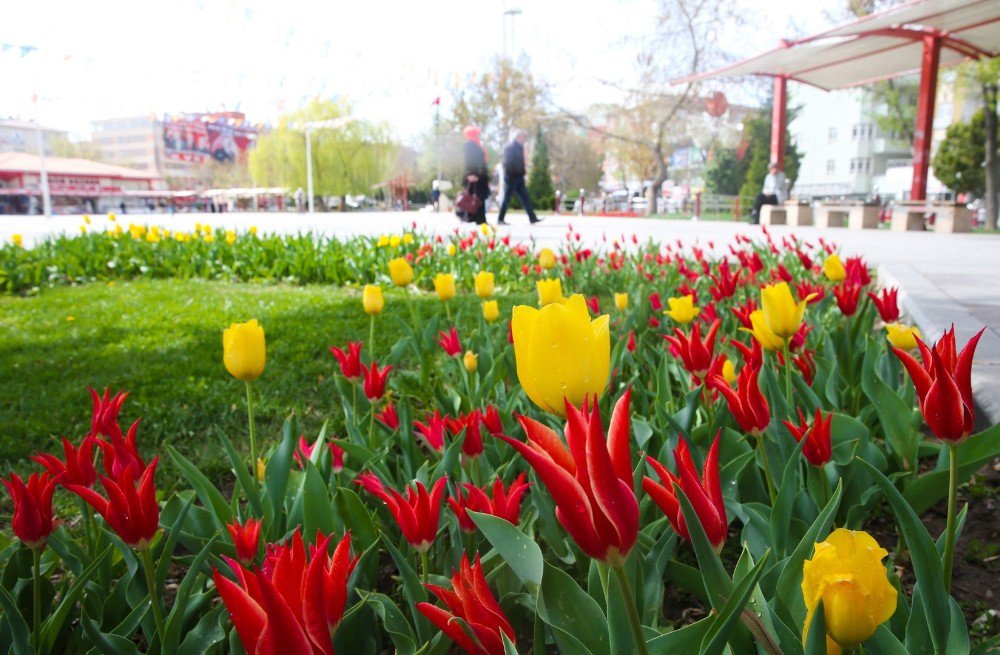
pixel 915 37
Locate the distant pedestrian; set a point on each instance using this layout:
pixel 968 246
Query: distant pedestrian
pixel 559 201
pixel 583 200
pixel 436 195
pixel 300 200
pixel 775 191
pixel 476 171
pixel 513 178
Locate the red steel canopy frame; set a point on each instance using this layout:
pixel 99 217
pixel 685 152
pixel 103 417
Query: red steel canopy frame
pixel 881 46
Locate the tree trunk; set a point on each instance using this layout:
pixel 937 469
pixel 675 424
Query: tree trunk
pixel 653 192
pixel 343 203
pixel 992 169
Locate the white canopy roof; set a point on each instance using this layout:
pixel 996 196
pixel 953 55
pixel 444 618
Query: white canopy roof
pixel 881 46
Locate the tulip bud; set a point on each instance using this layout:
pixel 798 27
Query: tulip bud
pixel 621 301
pixel 372 299
pixel 444 286
pixel 549 291
pixel 471 361
pixel 834 269
pixel 782 314
pixel 491 311
pixel 243 350
pixel 401 272
pixel 547 259
pixel 484 284
pixel 902 336
pixel 729 371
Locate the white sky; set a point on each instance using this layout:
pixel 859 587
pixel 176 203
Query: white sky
pixel 113 58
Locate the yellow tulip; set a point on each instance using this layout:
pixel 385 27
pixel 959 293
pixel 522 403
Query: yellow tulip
pixel 452 249
pixel 383 241
pixel 767 339
pixel 833 268
pixel 83 229
pixel 401 272
pixel 260 469
pixel 395 240
pixel 682 309
pixel 444 285
pixel 549 291
pixel 621 301
pixel 86 219
pixel 243 350
pixel 561 353
pixel 253 230
pixel 17 240
pixel 372 299
pixel 486 228
pixel 781 313
pixel 729 371
pixel 208 237
pixel 547 259
pixel 484 284
pixel 230 237
pixel 407 239
pixel 490 310
pixel 902 336
pixel 847 574
pixel 111 217
pixel 471 361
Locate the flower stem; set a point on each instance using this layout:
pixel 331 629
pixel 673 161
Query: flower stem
pixel 371 427
pixel 424 565
pixel 371 336
pixel 633 613
pixel 36 573
pixel 154 597
pixel 767 467
pixel 788 377
pixel 253 434
pixel 949 540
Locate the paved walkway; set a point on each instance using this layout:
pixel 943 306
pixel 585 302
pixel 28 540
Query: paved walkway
pixel 943 278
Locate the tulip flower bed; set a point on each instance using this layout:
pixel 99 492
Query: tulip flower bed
pixel 662 426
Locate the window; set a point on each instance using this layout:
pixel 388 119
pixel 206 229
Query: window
pixel 863 131
pixel 831 166
pixel 861 165
pixel 831 136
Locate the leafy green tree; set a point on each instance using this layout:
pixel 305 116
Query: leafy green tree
pixel 726 172
pixel 958 162
pixel 758 131
pixel 347 158
pixel 543 196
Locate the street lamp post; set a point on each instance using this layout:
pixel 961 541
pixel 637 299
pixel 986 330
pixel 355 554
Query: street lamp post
pixel 43 173
pixel 308 126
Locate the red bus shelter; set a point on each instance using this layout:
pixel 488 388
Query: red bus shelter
pixel 917 37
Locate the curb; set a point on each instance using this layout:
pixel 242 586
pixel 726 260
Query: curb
pixel 934 311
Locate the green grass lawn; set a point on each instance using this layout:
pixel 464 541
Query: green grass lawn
pixel 162 341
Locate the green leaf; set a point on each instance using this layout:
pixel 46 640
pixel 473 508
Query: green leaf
pixel 175 620
pixel 209 496
pixel 108 644
pixel 247 482
pixel 893 414
pixel 718 584
pixel 166 550
pixel 816 641
pixel 715 639
pixel 569 610
pixel 53 624
pixel 974 453
pixel 204 635
pixel 279 468
pixel 356 517
pixel 781 515
pixel 20 634
pixel 519 550
pixel 317 511
pixel 686 640
pixel 923 554
pixel 393 622
pixel 508 645
pixel 413 590
pixel 883 642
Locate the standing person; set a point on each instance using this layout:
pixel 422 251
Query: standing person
pixel 436 195
pixel 476 172
pixel 513 178
pixel 775 192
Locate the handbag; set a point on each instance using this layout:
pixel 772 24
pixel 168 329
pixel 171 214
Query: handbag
pixel 467 202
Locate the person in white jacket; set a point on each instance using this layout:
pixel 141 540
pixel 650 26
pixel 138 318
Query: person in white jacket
pixel 775 191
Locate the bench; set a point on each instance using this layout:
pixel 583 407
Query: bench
pixel 773 215
pixel 855 215
pixel 798 213
pixel 949 216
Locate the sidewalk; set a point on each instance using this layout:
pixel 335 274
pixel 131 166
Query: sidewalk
pixel 943 278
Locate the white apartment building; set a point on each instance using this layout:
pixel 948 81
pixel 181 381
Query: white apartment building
pixel 22 136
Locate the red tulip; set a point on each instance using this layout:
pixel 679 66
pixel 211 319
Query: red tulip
pixel 630 344
pixel 704 492
pixel 491 419
pixel 130 509
pixel 350 362
pixel 655 302
pixel 813 293
pixel 106 409
pixel 471 600
pixel 857 271
pixel 337 458
pixel 472 444
pixel 121 453
pixel 817 448
pixel 505 503
pixel 432 432
pixel 742 313
pixel 303 452
pixel 887 304
pixel 32 521
pixel 594 304
pixel 695 353
pixel 591 482
pixel 449 341
pixel 375 380
pixel 78 468
pixel 943 382
pixel 246 539
pixel 294 603
pixel 388 417
pixel 417 514
pixel 746 403
pixel 847 295
pixel 725 282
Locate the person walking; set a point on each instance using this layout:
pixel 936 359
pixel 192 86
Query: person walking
pixel 775 191
pixel 513 178
pixel 476 172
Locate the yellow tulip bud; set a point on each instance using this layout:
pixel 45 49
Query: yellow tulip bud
pixel 484 284
pixel 407 239
pixel 253 230
pixel 549 291
pixel 485 228
pixel 230 237
pixel 260 469
pixel 621 301
pixel 902 336
pixel 208 237
pixel 83 229
pixel 395 240
pixel 547 259
pixel 372 299
pixel 452 249
pixel 243 350
pixel 767 339
pixel 729 371
pixel 111 217
pixel 781 313
pixel 561 353
pixel 401 272
pixel 471 361
pixel 383 241
pixel 444 286
pixel 834 269
pixel 682 309
pixel 490 310
pixel 17 240
pixel 86 219
pixel 847 574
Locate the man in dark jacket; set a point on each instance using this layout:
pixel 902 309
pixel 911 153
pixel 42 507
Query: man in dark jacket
pixel 513 178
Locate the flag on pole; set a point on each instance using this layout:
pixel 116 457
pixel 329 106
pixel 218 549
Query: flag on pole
pixel 437 101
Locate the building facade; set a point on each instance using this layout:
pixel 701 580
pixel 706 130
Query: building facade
pixel 22 136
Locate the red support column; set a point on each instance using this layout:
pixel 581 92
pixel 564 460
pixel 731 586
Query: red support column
pixel 925 116
pixel 779 119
